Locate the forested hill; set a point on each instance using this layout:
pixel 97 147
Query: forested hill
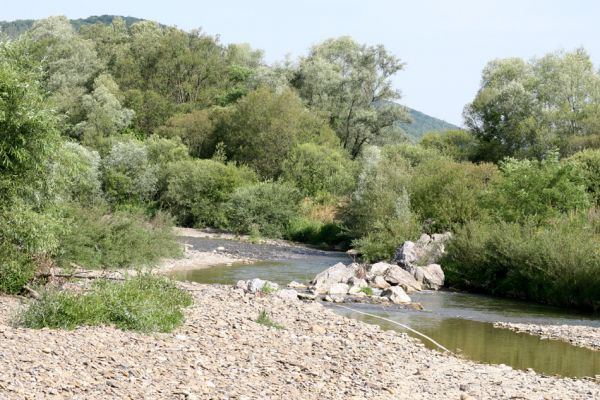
pixel 423 123
pixel 16 28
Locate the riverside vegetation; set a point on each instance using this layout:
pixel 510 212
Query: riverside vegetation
pixel 113 133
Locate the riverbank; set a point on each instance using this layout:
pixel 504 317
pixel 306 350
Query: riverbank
pixel 582 336
pixel 221 352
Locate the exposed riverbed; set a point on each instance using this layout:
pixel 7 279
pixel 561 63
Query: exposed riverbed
pixel 461 322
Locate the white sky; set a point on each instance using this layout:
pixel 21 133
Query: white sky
pixel 445 44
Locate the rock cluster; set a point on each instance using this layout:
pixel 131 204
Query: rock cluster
pixel 414 269
pixel 221 352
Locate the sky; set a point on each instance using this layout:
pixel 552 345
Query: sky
pixel 445 44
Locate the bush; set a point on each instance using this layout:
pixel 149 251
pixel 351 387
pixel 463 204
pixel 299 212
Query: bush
pixel 318 169
pixel 537 190
pixel 75 174
pixel 307 230
pixel 379 215
pixel 458 144
pixel 145 303
pixel 587 162
pixel 197 190
pixel 16 269
pixel 266 208
pixel 445 193
pixel 95 238
pixel 128 175
pixel 557 264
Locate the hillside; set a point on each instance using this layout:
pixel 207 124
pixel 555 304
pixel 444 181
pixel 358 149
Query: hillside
pixel 14 29
pixel 423 123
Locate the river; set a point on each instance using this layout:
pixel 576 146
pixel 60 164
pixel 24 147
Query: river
pixel 459 321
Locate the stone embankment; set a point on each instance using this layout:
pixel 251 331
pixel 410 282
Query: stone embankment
pixel 221 352
pixel 582 336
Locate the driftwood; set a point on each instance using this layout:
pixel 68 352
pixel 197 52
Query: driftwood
pixel 32 292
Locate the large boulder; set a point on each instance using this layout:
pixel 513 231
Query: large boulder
pixel 433 276
pixel 396 294
pixel 397 276
pixel 378 269
pixel 427 250
pixel 339 273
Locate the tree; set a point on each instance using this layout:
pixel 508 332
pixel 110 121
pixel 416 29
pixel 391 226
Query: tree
pixel 528 109
pixel 264 126
pixel 459 144
pixel 105 116
pixel 70 63
pixel 351 84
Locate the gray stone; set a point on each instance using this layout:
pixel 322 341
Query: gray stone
pixel 339 273
pixel 379 282
pixel 287 294
pixel 378 269
pixel 433 276
pixel 399 277
pixel 338 288
pixel 396 294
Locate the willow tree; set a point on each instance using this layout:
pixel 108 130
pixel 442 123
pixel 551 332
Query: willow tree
pixel 351 84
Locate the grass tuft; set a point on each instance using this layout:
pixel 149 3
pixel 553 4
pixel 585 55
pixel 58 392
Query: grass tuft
pixel 145 303
pixel 264 319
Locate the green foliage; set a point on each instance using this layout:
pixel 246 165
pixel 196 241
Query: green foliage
pixel 537 190
pixel 196 129
pixel 264 319
pixel 458 144
pixel 556 263
pixel 445 193
pixel 351 84
pixel 318 169
pixel 75 174
pixel 379 213
pixel 145 303
pixel 267 207
pixel 197 190
pixel 267 289
pixel 587 162
pixel 16 269
pixel 527 109
pixel 128 175
pixel 95 238
pixel 307 230
pixel 367 290
pixel 264 126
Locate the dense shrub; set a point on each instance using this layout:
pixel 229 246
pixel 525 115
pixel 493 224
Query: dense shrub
pixel 558 263
pixel 458 144
pixel 146 303
pixel 196 129
pixel 318 169
pixel 265 208
pixel 16 269
pixel 445 193
pixel 587 162
pixel 95 238
pixel 197 189
pixel 75 174
pixel 379 215
pixel 264 126
pixel 537 190
pixel 128 175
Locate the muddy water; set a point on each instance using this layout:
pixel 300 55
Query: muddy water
pixel 461 322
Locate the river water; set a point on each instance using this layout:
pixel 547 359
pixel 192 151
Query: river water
pixel 461 322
